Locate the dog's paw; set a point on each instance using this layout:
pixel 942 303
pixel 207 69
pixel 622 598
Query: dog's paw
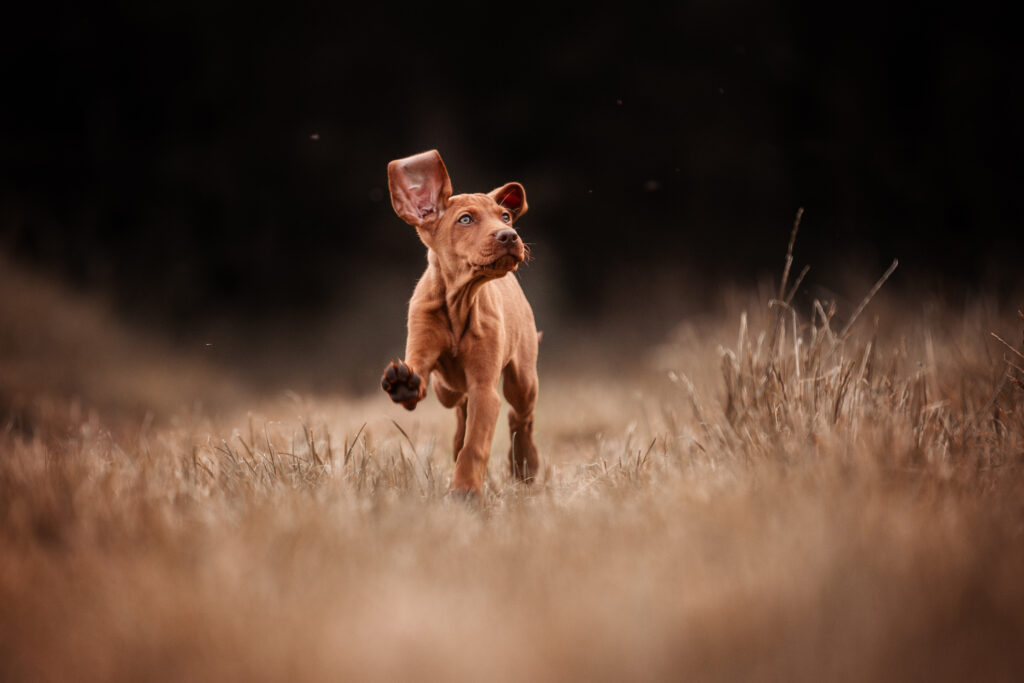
pixel 402 384
pixel 469 497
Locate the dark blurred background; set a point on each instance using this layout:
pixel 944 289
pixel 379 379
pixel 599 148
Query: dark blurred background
pixel 211 166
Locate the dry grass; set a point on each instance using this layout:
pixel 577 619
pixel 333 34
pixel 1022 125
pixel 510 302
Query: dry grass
pixel 794 505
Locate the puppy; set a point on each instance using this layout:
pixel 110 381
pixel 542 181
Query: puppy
pixel 469 321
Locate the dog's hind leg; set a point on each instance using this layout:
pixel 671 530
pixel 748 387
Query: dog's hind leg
pixel 520 389
pixel 457 400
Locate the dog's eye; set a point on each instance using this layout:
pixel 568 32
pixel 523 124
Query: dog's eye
pixel 465 219
pixel 505 217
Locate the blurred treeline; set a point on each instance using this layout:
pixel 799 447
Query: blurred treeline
pixel 199 161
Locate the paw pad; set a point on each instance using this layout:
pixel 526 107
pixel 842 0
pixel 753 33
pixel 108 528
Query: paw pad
pixel 401 384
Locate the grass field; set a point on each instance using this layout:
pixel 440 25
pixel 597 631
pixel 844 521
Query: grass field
pixel 766 493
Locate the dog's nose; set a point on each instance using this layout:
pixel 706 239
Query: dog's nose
pixel 506 236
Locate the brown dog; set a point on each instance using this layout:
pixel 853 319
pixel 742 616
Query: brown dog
pixel 469 324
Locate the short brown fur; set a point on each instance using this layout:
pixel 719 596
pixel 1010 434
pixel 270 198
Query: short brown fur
pixel 469 321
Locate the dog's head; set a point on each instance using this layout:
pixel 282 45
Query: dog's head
pixel 466 231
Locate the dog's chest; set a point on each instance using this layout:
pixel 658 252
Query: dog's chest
pixel 451 371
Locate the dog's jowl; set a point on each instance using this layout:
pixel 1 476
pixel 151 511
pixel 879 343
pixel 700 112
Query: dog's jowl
pixel 469 322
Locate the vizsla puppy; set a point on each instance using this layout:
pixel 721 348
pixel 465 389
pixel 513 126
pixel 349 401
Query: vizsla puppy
pixel 469 322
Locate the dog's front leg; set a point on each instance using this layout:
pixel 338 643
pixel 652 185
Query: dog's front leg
pixel 406 381
pixel 483 405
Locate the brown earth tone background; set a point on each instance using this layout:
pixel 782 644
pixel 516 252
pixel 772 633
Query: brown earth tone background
pixel 201 279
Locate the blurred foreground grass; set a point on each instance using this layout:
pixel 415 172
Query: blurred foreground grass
pixel 760 499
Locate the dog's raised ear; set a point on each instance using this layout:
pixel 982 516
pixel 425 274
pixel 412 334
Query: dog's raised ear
pixel 420 188
pixel 512 196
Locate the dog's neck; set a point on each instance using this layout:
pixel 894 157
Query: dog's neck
pixel 457 289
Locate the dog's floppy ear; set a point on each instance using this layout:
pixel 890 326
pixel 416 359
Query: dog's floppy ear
pixel 512 196
pixel 420 188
